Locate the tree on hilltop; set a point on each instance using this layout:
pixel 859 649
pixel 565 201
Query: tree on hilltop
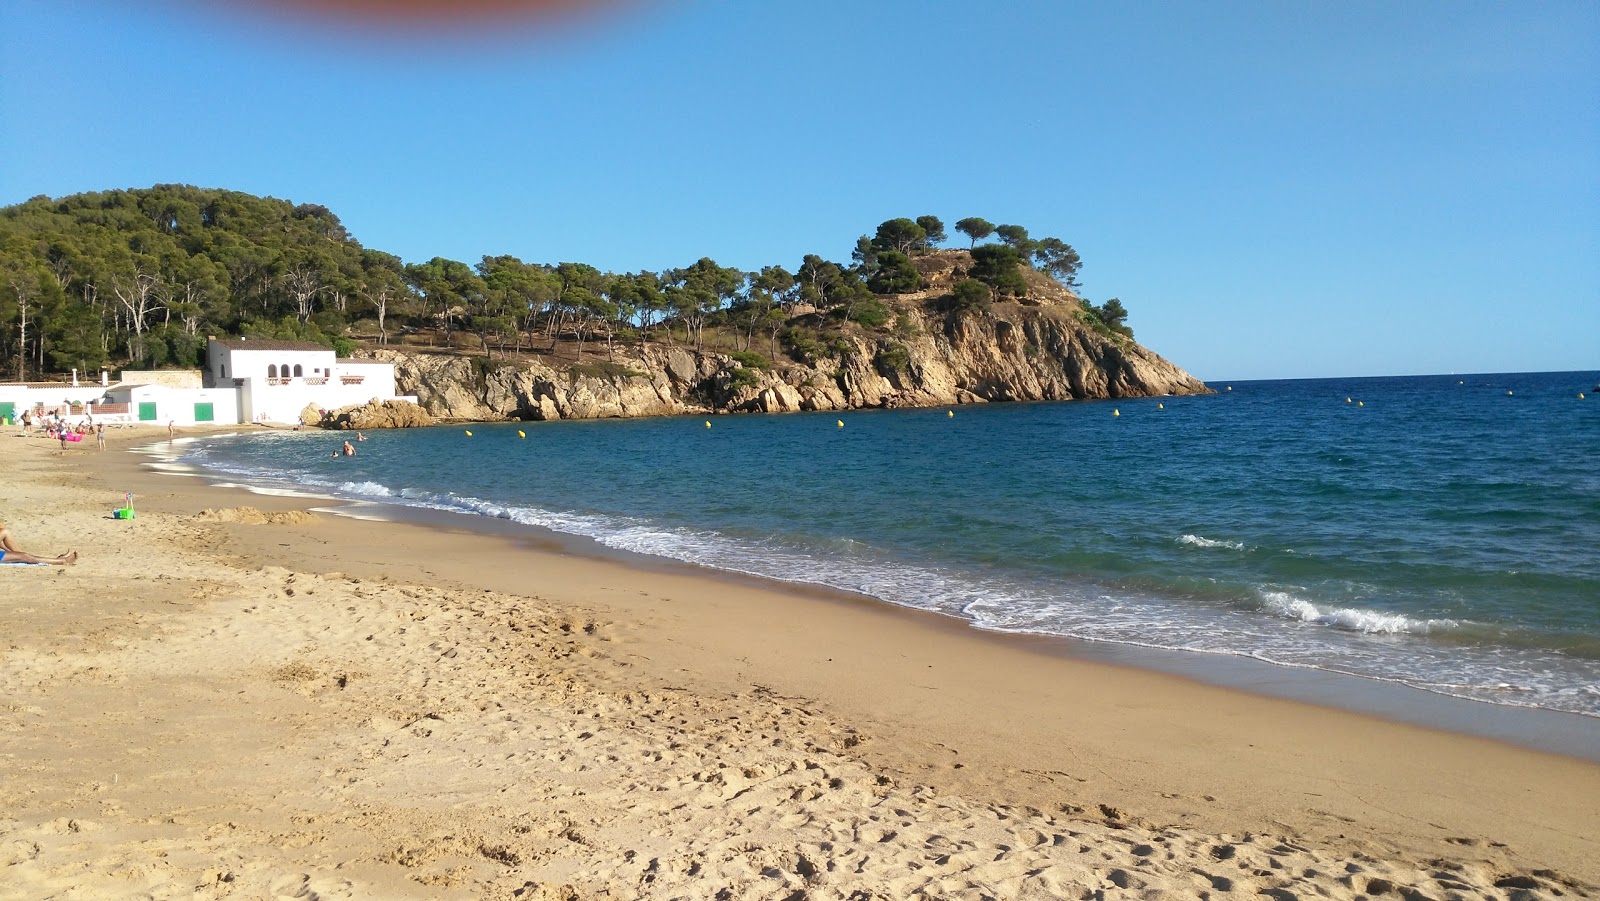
pixel 817 277
pixel 903 235
pixel 1016 236
pixel 933 228
pixel 865 255
pixel 975 228
pixel 1057 258
pixel 894 274
pixel 1000 267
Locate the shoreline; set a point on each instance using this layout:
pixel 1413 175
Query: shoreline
pixel 1535 728
pixel 565 696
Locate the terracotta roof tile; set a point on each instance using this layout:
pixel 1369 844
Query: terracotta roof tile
pixel 270 344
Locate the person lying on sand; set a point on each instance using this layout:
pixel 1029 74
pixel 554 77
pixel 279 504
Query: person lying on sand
pixel 10 553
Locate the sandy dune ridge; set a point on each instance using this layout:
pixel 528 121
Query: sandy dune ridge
pixel 182 723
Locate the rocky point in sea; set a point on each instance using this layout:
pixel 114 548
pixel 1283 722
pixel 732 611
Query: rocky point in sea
pixel 929 353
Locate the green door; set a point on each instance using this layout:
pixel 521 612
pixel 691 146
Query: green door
pixel 7 409
pixel 147 412
pixel 202 413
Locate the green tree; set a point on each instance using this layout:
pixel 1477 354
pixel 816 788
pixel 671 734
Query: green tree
pixel 384 288
pixel 865 255
pixel 970 294
pixel 1016 236
pixel 1057 259
pixel 1115 316
pixel 895 274
pixel 901 235
pixel 705 288
pixel 975 228
pixel 933 229
pixel 817 278
pixel 999 267
pixel 448 288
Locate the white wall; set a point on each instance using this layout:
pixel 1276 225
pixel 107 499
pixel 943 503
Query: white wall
pixel 377 379
pixel 175 405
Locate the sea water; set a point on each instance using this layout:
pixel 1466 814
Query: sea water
pixel 1442 532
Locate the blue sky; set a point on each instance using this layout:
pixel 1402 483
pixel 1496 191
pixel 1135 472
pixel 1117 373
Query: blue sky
pixel 1273 189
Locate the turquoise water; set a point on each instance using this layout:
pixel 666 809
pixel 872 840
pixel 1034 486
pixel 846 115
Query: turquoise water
pixel 1442 532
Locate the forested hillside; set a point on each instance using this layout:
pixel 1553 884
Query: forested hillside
pixel 141 277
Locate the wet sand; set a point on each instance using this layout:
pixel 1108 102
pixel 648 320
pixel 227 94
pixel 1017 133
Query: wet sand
pixel 240 705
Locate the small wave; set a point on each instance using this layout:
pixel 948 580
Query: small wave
pixel 366 489
pixel 1351 619
pixel 1202 541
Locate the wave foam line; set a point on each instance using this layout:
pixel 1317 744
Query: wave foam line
pixel 1202 541
pixel 1351 619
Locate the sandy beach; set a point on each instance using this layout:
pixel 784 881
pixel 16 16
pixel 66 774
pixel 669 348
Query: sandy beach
pixel 233 697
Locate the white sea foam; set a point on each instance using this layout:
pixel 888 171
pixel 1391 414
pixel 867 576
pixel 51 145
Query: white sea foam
pixel 1202 541
pixel 1352 619
pixel 365 489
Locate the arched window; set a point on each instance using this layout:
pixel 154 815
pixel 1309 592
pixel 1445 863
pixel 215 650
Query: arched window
pixel 272 370
pixel 297 370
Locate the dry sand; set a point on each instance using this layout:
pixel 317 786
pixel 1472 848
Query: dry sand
pixel 240 704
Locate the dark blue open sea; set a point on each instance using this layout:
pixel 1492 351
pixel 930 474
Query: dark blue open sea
pixel 1442 531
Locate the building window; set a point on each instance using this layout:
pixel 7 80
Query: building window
pixel 272 370
pixel 297 370
pixel 224 370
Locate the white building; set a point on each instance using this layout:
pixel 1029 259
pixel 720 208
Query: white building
pixel 278 379
pixel 245 380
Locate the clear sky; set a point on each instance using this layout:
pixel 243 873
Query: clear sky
pixel 1273 189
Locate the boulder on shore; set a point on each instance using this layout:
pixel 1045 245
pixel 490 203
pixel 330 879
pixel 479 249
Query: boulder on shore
pixel 377 414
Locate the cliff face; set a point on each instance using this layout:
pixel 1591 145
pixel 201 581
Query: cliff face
pixel 1015 352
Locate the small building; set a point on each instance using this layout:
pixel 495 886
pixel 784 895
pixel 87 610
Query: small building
pixel 276 379
pixel 245 380
pixel 161 404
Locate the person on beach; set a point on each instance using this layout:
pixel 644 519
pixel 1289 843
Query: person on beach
pixel 172 430
pixel 10 553
pixel 100 435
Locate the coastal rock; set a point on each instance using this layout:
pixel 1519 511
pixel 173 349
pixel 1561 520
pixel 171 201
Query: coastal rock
pixel 1038 348
pixel 379 414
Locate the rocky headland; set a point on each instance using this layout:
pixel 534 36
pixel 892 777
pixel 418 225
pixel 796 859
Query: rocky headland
pixel 1042 347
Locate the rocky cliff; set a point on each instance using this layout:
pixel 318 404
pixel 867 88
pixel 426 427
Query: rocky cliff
pixel 1042 348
